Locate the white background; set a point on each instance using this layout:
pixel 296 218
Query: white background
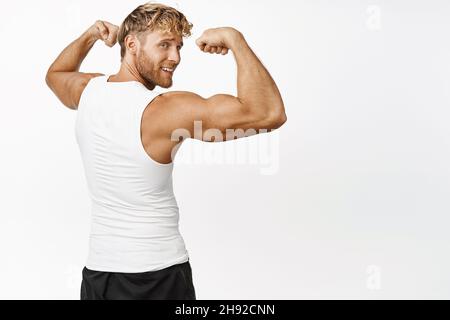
pixel 359 207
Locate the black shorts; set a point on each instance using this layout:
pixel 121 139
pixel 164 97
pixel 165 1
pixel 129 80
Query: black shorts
pixel 173 283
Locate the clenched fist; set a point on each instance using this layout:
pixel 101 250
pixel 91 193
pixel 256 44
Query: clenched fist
pixel 105 31
pixel 217 40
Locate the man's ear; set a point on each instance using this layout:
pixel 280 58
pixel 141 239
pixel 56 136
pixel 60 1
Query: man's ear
pixel 132 44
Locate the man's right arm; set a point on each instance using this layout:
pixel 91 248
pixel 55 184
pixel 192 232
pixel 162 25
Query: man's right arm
pixel 258 105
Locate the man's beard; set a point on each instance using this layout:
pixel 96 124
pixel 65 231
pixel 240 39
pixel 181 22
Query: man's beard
pixel 151 73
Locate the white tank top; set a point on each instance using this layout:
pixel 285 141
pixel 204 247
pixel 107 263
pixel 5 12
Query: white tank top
pixel 134 212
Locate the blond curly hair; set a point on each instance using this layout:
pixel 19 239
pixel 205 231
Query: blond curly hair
pixel 150 17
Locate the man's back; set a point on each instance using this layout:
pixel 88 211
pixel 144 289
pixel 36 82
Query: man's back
pixel 134 211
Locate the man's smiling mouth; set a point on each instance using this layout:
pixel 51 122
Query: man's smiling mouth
pixel 168 70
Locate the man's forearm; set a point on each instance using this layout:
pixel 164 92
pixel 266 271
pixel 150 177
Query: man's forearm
pixel 256 88
pixel 71 57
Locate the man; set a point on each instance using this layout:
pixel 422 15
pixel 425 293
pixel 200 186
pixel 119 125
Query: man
pixel 125 131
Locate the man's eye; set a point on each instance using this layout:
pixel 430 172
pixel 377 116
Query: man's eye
pixel 164 45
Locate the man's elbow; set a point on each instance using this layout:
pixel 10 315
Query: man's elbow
pixel 277 121
pixel 280 122
pixel 48 80
pixel 66 100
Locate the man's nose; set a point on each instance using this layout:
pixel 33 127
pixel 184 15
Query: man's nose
pixel 175 56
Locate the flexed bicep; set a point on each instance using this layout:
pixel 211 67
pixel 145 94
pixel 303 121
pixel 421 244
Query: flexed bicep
pixel 221 116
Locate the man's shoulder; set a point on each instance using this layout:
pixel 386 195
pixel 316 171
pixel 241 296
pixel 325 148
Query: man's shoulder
pixel 174 110
pixel 176 98
pixel 178 105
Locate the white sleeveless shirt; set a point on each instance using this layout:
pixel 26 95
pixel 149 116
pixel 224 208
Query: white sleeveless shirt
pixel 134 216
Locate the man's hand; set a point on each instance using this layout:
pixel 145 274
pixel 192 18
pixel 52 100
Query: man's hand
pixel 218 40
pixel 105 31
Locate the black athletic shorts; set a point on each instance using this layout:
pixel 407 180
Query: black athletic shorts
pixel 173 283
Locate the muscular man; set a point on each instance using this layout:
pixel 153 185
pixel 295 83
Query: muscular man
pixel 125 131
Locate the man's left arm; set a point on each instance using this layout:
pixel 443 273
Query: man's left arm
pixel 63 76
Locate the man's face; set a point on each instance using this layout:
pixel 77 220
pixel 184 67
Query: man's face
pixel 158 57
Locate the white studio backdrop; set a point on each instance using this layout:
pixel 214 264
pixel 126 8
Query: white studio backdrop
pixel 350 199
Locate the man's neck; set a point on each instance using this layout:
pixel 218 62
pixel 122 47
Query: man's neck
pixel 127 73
